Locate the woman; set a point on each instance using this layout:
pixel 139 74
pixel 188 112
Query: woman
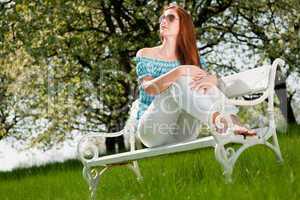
pixel 176 94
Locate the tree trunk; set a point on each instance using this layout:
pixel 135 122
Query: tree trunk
pixel 290 113
pixel 285 101
pixel 112 143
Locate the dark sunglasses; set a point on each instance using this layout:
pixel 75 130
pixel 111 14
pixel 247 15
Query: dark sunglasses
pixel 170 18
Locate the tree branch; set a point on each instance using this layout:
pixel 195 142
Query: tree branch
pixel 210 10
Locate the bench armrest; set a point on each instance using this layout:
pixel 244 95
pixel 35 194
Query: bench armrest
pixel 88 147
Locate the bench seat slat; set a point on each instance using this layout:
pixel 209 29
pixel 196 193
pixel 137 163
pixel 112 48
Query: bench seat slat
pixel 154 151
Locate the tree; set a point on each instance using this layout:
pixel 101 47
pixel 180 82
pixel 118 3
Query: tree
pixel 13 109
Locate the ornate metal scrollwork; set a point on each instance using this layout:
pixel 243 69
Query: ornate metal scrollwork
pixel 230 152
pixel 87 148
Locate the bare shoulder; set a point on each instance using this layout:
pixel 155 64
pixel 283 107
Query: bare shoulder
pixel 147 52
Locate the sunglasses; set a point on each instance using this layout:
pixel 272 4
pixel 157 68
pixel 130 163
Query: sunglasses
pixel 170 18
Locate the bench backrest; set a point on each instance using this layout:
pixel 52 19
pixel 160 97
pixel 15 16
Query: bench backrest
pixel 250 81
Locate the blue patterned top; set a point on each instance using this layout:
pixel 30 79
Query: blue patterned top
pixel 152 67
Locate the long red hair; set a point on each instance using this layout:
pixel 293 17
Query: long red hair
pixel 186 48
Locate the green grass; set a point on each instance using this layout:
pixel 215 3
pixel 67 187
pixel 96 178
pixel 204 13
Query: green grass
pixel 190 175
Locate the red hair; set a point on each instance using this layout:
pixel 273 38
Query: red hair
pixel 186 48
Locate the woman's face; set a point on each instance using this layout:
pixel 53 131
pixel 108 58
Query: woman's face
pixel 169 23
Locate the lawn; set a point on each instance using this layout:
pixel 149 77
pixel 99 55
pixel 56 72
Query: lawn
pixel 189 175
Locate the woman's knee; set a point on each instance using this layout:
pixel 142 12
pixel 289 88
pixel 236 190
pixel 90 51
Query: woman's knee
pixel 155 134
pixel 151 139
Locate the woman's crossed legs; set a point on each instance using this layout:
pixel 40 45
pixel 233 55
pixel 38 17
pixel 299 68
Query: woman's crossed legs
pixel 176 114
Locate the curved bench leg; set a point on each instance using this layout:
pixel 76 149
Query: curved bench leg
pixel 136 170
pixel 223 158
pixel 274 146
pixel 227 157
pixel 277 149
pixel 132 165
pixel 92 176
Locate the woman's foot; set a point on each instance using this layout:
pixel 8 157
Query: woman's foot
pixel 238 128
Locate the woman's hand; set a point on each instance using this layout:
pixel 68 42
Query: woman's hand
pixel 192 70
pixel 201 79
pixel 203 83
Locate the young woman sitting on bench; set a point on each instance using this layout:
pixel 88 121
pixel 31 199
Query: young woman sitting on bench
pixel 176 94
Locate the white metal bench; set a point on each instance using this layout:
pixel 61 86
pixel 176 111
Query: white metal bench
pixel 257 80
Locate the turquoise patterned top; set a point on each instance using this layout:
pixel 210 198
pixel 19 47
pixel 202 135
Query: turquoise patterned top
pixel 152 67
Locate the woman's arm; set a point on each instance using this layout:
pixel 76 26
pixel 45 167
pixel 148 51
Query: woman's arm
pixel 154 86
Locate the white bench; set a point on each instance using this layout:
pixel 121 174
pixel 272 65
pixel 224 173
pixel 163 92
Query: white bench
pixel 257 80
